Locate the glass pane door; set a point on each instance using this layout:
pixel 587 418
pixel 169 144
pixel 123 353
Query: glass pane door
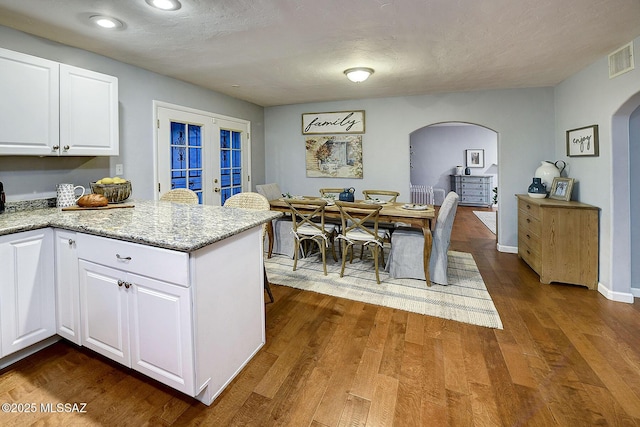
pixel 186 157
pixel 230 163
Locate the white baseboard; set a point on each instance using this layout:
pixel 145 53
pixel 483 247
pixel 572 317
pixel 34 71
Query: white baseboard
pixel 507 249
pixel 617 296
pixel 635 292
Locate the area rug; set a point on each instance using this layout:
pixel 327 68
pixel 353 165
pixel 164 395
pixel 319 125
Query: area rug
pixel 488 218
pixel 466 299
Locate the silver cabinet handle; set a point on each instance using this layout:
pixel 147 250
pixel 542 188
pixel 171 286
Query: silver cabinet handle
pixel 127 285
pixel 66 148
pixel 55 148
pixel 71 242
pixel 120 283
pixel 127 258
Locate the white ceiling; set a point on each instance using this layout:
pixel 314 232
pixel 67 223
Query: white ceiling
pixel 276 52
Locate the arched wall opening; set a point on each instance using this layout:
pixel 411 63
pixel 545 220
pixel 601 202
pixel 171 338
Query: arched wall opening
pixel 625 201
pixel 437 149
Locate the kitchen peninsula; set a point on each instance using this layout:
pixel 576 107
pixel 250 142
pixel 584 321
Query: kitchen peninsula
pixel 173 291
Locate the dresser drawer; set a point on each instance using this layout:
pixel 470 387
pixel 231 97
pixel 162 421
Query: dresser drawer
pixel 158 263
pixel 469 180
pixel 530 208
pixel 474 192
pixel 529 223
pixel 473 199
pixel 532 240
pixel 531 255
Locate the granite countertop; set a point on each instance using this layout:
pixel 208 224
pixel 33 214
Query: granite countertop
pixel 175 226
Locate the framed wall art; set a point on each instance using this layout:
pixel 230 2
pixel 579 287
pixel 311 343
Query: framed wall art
pixel 583 141
pixel 336 156
pixel 475 158
pixel 339 122
pixel 561 188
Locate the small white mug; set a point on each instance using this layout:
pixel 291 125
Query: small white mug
pixel 66 195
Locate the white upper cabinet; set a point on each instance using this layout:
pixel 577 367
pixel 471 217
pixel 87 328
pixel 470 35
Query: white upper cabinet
pixel 88 113
pixel 52 109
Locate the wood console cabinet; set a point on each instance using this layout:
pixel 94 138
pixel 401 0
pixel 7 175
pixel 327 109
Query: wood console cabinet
pixel 559 240
pixel 474 190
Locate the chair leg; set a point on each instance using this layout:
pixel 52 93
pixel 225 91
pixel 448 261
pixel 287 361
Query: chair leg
pixel 374 252
pixel 345 249
pixel 267 287
pixel 323 251
pixel 295 254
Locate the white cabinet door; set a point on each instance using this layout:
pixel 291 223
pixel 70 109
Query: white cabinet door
pixel 161 333
pixel 88 113
pixel 104 312
pixel 27 314
pixel 67 286
pixel 29 121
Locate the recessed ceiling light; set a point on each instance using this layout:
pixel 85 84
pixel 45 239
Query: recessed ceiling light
pixel 106 21
pixel 165 4
pixel 358 74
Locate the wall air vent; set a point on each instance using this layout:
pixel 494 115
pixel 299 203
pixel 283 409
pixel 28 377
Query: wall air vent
pixel 621 61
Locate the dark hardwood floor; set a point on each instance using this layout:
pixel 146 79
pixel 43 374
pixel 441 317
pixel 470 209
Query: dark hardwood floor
pixel 567 356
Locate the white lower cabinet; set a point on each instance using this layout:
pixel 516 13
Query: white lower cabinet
pixel 27 312
pixel 67 285
pixel 140 322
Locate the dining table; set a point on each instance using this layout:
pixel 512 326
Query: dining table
pixel 409 214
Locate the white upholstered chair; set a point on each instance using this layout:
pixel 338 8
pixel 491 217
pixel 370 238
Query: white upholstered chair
pixel 270 191
pixel 406 256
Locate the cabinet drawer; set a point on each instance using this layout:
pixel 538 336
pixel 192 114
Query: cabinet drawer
pixel 163 264
pixel 531 209
pixel 473 199
pixel 473 180
pixel 529 254
pixel 529 223
pixel 474 192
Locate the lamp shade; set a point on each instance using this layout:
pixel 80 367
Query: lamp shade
pixel 358 74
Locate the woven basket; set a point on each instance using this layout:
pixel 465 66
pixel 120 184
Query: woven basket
pixel 115 193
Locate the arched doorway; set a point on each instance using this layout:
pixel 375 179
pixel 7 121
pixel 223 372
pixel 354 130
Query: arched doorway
pixel 437 149
pixel 625 245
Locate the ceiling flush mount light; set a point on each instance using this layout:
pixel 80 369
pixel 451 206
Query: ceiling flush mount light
pixel 106 21
pixel 165 4
pixel 358 74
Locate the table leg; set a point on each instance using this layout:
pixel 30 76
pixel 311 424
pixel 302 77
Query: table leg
pixel 426 230
pixel 270 235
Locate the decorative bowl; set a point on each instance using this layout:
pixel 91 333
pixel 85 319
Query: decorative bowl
pixel 537 195
pixel 115 193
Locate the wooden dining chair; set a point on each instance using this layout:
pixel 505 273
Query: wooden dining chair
pixel 331 192
pixel 382 195
pixel 249 200
pixel 360 227
pixel 309 225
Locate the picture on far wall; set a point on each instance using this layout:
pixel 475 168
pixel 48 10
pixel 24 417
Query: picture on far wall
pixel 475 158
pixel 335 156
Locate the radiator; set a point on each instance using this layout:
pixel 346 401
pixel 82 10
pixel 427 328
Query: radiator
pixel 422 194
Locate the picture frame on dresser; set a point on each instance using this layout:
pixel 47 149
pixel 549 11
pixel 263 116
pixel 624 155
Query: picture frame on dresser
pixel 475 158
pixel 561 188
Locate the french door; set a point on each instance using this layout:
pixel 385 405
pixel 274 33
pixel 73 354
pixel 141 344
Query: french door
pixel 202 152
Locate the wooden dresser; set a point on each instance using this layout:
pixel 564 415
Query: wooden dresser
pixel 559 240
pixel 474 190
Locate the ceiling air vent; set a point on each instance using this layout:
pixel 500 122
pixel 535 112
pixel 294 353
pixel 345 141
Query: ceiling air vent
pixel 621 61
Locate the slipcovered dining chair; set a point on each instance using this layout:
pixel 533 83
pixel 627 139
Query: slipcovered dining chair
pixel 309 225
pixel 180 195
pixel 279 229
pixel 360 227
pixel 406 256
pixel 249 200
pixel 270 191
